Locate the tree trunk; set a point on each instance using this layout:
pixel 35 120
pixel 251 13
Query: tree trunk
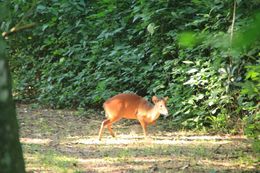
pixel 11 157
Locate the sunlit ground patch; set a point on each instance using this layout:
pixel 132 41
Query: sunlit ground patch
pixel 130 139
pixel 35 141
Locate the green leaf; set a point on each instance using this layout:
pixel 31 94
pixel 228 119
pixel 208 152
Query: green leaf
pixel 151 28
pixel 44 27
pixel 193 70
pixel 187 62
pixel 40 7
pixel 187 39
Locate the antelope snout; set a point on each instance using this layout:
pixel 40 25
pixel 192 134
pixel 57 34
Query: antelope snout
pixel 165 113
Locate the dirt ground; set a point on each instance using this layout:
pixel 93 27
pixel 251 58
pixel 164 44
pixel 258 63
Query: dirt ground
pixel 66 141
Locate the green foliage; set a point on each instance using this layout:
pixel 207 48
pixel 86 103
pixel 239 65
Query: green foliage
pixel 188 39
pixel 250 94
pixel 83 52
pixel 251 86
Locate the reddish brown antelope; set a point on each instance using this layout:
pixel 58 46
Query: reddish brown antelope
pixel 132 106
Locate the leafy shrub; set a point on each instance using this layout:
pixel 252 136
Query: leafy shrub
pixel 82 53
pixel 251 88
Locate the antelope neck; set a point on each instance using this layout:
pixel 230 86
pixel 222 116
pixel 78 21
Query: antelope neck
pixel 153 114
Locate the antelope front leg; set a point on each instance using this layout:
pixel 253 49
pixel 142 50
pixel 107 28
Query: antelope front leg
pixel 104 123
pixel 144 127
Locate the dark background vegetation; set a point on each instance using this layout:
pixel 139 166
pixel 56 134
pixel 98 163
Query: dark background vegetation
pixel 82 52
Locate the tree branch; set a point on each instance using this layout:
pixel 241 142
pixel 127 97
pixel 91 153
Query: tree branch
pixel 233 22
pixel 18 29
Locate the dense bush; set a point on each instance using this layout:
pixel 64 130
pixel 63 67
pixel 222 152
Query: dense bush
pixel 83 52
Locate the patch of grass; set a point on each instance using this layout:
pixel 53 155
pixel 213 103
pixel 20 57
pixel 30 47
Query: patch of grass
pixel 31 148
pixel 90 113
pixel 35 106
pixel 49 159
pixel 246 160
pixel 44 126
pixel 81 112
pixel 56 161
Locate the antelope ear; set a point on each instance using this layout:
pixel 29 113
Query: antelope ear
pixel 155 99
pixel 165 98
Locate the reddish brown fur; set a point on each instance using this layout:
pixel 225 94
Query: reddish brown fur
pixel 132 106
